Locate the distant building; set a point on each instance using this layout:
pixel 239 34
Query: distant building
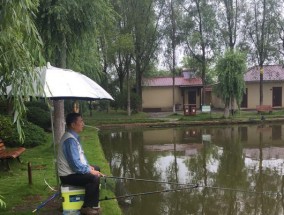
pixel 157 92
pixel 273 82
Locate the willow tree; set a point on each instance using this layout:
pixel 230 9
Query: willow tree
pixel 20 48
pixel 67 27
pixel 230 70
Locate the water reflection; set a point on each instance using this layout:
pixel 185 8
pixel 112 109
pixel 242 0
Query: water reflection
pixel 239 169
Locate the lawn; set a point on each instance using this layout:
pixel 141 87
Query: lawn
pixel 22 197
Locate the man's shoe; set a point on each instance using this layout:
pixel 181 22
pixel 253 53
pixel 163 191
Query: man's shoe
pixel 90 211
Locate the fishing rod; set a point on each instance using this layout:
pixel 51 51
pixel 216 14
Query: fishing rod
pixel 149 193
pixel 199 185
pixel 146 180
pixel 46 201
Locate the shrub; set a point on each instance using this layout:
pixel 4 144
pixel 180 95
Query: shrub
pixel 34 135
pixel 38 113
pixel 40 104
pixel 39 117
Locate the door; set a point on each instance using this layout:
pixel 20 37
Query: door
pixel 244 103
pixel 192 97
pixel 277 96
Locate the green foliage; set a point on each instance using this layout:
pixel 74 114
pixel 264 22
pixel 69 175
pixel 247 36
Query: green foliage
pixel 230 70
pixel 2 203
pixel 20 48
pixel 40 104
pixel 73 25
pixel 120 101
pixel 34 135
pixel 159 73
pixel 39 117
pixel 38 113
pixel 3 106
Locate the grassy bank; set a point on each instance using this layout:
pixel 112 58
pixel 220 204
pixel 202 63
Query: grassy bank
pixel 22 198
pixel 120 118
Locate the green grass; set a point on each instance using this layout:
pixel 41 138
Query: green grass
pixel 117 117
pixel 238 116
pixel 120 117
pixel 22 198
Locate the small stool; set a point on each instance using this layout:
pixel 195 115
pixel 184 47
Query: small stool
pixel 73 199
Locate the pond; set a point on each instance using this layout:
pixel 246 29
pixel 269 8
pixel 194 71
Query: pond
pixel 233 169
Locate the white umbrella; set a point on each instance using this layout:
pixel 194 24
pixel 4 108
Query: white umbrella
pixel 60 84
pixel 66 84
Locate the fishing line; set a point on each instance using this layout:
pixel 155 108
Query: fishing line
pixel 149 193
pixel 243 191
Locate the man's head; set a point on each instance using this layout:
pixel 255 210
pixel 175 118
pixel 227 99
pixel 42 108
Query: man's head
pixel 75 122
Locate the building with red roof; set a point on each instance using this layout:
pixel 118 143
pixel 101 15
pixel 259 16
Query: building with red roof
pixel 273 83
pixel 157 93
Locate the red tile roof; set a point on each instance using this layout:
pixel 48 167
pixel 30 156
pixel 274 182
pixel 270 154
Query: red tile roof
pixel 271 73
pixel 168 81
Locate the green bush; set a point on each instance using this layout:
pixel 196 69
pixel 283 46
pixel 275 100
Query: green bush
pixel 40 104
pixel 34 135
pixel 39 117
pixel 38 113
pixel 120 102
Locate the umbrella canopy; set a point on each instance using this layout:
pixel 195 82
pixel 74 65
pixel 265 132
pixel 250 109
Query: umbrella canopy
pixel 66 84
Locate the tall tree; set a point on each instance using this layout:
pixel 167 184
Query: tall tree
pixel 20 48
pixel 230 71
pixel 199 33
pixel 280 28
pixel 229 18
pixel 121 47
pixel 172 38
pixel 146 22
pixel 62 25
pixel 261 27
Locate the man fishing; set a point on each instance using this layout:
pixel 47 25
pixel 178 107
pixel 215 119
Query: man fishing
pixel 73 167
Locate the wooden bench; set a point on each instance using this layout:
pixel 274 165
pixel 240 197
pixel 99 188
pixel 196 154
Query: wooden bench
pixel 264 108
pixel 11 153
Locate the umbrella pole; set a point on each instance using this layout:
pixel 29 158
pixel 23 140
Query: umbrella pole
pixel 54 148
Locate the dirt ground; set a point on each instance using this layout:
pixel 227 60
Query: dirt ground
pixel 53 207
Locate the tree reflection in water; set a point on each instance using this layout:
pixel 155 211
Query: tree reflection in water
pixel 244 158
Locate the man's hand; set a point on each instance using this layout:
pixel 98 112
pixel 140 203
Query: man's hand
pixel 95 172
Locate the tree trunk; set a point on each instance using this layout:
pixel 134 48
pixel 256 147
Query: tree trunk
pixel 227 112
pixel 128 95
pixel 173 37
pixel 59 121
pixel 138 84
pixel 261 85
